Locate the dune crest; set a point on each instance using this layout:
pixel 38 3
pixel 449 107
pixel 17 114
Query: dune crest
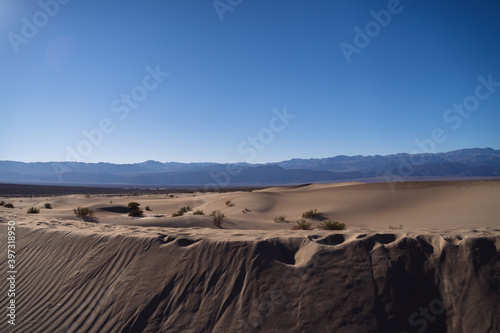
pixel 129 279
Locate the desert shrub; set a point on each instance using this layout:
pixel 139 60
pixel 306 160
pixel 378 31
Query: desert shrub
pixel 181 211
pixel 396 228
pixel 198 212
pixel 171 195
pixel 9 205
pixel 133 205
pixel 246 210
pixel 135 212
pixel 83 212
pixel 33 210
pixel 331 225
pixel 87 196
pixel 48 205
pixel 303 225
pixel 148 208
pixel 2 203
pixel 218 217
pixel 229 203
pixel 280 219
pixel 311 214
pixel 177 213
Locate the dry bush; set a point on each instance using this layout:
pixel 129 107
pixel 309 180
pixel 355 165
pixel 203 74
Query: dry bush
pixel 302 224
pixel 331 225
pixel 33 210
pixel 218 217
pixel 280 219
pixel 311 214
pixel 83 212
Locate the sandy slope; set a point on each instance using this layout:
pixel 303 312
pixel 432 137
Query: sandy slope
pixel 440 273
pixel 79 277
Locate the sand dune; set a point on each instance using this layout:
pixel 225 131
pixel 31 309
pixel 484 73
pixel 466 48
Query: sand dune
pixel 412 204
pixel 441 273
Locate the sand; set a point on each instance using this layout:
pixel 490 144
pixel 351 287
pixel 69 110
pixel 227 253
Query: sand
pixel 414 205
pixel 440 272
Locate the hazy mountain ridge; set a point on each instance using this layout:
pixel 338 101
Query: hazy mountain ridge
pixel 476 162
pixel 473 157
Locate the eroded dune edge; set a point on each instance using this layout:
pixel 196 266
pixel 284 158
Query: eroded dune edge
pixel 94 280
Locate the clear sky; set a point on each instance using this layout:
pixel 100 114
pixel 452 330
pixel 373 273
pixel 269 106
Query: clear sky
pixel 252 81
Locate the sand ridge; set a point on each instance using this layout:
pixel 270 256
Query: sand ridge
pixel 116 278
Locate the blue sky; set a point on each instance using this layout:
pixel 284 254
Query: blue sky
pixel 251 81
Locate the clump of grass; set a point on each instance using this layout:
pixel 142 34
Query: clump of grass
pixel 246 210
pixel 396 228
pixel 198 212
pixel 229 203
pixel 148 208
pixel 83 212
pixel 331 225
pixel 2 203
pixel 280 219
pixel 133 205
pixel 8 205
pixel 311 214
pixel 302 224
pixel 134 210
pixel 48 205
pixel 218 217
pixel 181 211
pixel 33 210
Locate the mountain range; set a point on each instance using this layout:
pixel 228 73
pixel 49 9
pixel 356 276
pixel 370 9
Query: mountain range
pixel 459 164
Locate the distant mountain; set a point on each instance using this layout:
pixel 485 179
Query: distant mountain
pixel 471 157
pixel 475 162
